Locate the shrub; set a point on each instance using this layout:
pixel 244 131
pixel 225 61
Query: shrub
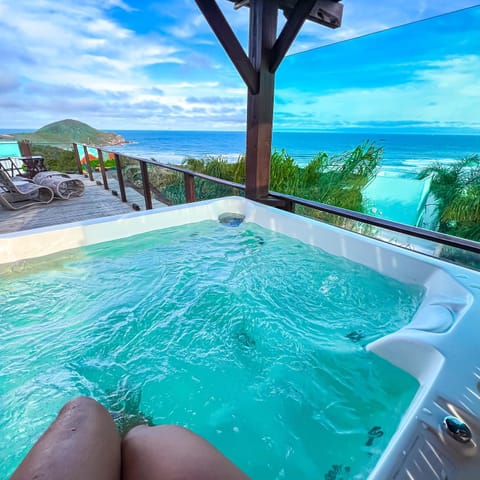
pixel 337 180
pixel 56 158
pixel 457 191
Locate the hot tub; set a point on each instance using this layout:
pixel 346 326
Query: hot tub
pixel 438 433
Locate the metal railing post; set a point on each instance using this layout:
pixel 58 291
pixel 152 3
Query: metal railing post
pixel 289 206
pixel 121 183
pixel 76 154
pixel 87 160
pixel 189 181
pixel 102 168
pixel 146 186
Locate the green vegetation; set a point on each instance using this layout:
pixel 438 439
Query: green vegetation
pixel 66 132
pixel 167 184
pixel 56 159
pixel 457 190
pixel 334 180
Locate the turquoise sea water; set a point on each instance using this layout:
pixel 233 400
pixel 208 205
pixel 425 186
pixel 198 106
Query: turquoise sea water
pixel 403 153
pixel 247 337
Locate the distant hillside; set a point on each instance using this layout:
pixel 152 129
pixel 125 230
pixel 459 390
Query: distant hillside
pixel 69 131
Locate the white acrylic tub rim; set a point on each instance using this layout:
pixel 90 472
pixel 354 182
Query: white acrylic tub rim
pixel 439 347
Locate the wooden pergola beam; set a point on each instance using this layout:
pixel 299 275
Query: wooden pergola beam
pixel 289 32
pixel 230 43
pixel 266 52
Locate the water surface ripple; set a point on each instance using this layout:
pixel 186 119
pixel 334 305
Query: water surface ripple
pixel 247 337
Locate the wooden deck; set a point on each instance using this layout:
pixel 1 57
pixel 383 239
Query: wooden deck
pixel 96 202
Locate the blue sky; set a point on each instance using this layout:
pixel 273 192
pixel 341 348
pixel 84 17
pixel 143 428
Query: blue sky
pixel 121 64
pixel 423 75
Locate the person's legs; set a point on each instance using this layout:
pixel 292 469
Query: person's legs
pixel 168 452
pixel 82 443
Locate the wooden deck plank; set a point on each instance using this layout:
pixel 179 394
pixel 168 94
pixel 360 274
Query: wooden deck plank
pixel 96 202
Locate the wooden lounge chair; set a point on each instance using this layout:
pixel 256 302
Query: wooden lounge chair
pixel 17 192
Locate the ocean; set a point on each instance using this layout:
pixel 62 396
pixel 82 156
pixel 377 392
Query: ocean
pixel 404 154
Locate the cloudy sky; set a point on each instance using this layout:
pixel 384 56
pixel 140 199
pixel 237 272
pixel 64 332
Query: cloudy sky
pixel 424 75
pixel 145 64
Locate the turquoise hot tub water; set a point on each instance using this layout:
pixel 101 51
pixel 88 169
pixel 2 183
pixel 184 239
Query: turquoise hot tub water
pixel 248 337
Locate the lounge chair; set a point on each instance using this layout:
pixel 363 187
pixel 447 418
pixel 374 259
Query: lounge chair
pixel 62 184
pixel 17 192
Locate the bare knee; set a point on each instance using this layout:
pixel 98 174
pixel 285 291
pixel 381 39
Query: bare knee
pixel 160 438
pixel 82 405
pixel 173 452
pixel 82 402
pixel 82 442
pixel 81 411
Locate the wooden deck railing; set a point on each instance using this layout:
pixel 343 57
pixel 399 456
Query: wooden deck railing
pixel 284 201
pixel 188 175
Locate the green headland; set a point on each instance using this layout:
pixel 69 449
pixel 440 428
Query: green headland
pixel 69 131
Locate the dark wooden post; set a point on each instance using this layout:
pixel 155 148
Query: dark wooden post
pixel 76 154
pixel 147 195
pixel 87 161
pixel 263 33
pixel 102 168
pixel 189 181
pixel 121 183
pixel 25 148
pixel 289 206
pixel 266 52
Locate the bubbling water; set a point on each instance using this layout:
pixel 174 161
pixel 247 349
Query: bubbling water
pixel 249 338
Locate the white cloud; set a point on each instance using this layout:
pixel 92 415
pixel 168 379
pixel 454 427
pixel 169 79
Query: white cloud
pixel 65 59
pixel 188 27
pixel 441 93
pixel 68 57
pixel 119 4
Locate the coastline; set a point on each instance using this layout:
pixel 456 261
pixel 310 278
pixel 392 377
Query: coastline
pixel 403 153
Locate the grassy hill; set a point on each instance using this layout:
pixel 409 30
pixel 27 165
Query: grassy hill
pixel 69 131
